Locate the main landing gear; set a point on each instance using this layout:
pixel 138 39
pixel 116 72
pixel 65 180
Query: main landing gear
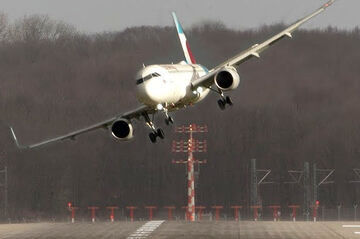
pixel 223 101
pixel 155 132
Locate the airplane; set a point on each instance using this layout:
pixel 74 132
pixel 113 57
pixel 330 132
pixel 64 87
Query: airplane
pixel 170 87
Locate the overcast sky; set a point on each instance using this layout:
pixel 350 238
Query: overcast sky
pixel 110 15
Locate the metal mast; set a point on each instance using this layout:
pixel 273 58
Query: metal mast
pixel 190 146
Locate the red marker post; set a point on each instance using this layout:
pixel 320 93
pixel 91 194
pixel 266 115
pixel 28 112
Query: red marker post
pixel 150 208
pixel 73 214
pixel 112 213
pixel 256 209
pixel 293 214
pixel 315 208
pixel 131 208
pixel 72 210
pixel 217 211
pixel 236 211
pixel 93 214
pixel 170 210
pixel 200 211
pixel 275 209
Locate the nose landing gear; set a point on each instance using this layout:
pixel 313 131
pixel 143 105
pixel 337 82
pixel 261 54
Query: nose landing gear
pixel 169 120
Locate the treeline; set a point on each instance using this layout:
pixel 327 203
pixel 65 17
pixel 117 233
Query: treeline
pixel 299 102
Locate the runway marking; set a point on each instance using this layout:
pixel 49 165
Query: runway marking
pixel 356 232
pixel 351 226
pixel 145 230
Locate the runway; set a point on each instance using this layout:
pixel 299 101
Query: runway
pixel 182 229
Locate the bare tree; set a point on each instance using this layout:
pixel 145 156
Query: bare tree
pixel 36 28
pixel 298 103
pixel 3 26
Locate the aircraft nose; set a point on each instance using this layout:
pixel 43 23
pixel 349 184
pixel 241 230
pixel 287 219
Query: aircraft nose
pixel 149 93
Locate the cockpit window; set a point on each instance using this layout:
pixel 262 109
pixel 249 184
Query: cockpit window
pixel 148 77
pixel 139 81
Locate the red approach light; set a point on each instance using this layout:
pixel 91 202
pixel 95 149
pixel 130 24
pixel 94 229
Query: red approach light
pixel 69 204
pixel 317 202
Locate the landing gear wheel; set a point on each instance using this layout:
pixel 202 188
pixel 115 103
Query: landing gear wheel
pixel 169 120
pixel 221 104
pixel 228 100
pixel 152 137
pixel 160 133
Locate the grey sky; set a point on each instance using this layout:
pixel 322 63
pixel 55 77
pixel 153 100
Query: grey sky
pixel 109 15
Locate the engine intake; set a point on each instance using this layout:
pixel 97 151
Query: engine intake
pixel 227 79
pixel 122 129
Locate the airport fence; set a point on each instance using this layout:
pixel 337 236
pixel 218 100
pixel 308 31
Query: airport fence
pixel 142 213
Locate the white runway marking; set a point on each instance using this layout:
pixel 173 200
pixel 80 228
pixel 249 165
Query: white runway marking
pixel 357 232
pixel 145 230
pixel 352 226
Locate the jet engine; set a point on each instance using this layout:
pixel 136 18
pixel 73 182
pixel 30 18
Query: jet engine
pixel 122 129
pixel 227 79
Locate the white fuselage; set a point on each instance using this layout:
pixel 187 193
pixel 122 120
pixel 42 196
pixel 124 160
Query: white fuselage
pixel 170 85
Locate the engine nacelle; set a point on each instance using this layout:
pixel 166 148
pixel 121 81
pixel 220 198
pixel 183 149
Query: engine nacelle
pixel 122 129
pixel 227 79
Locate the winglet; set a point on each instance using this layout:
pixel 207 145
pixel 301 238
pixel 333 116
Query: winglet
pixel 190 59
pixel 15 139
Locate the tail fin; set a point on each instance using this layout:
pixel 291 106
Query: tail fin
pixel 184 43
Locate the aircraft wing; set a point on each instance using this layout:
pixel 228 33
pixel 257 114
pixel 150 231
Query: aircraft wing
pixel 104 124
pixel 255 50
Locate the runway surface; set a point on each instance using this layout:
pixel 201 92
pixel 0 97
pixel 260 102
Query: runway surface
pixel 182 229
